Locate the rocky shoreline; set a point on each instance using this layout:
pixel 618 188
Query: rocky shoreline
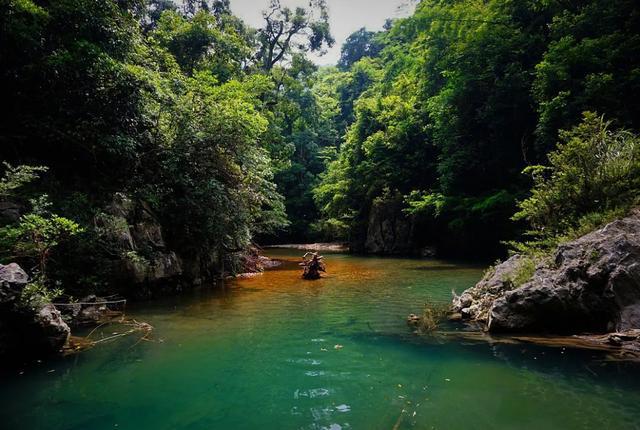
pixel 588 287
pixel 38 328
pixel 27 329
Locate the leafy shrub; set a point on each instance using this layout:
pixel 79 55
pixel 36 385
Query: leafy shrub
pixel 37 235
pixel 593 177
pixel 15 177
pixel 433 314
pixel 523 271
pixel 36 294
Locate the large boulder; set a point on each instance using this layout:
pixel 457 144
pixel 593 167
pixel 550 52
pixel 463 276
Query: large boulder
pixel 27 330
pixel 53 331
pixel 593 285
pixel 12 280
pixel 476 302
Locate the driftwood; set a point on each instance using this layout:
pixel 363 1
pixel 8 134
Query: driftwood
pixel 77 344
pixel 619 346
pixel 623 346
pixel 312 266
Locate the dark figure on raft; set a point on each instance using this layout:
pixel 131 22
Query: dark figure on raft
pixel 312 266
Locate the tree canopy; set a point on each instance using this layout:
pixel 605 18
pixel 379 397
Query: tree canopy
pixel 230 134
pixel 462 97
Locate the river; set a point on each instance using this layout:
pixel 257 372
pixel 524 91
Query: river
pixel 277 352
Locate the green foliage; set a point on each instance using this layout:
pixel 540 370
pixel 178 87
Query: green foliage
pixel 524 271
pixel 36 294
pixel 590 64
pixel 159 101
pixel 17 177
pixel 462 97
pixel 37 233
pixel 358 45
pixel 424 203
pixel 331 229
pixel 36 236
pixel 302 131
pixel 218 43
pixel 217 188
pixel 594 174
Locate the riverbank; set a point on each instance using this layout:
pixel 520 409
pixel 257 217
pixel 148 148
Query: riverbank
pixel 588 288
pixel 316 247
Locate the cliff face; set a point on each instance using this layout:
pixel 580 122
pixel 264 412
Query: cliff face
pixel 142 258
pixel 135 239
pixel 389 230
pixel 592 284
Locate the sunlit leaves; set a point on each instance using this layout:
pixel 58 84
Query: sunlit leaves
pixel 595 169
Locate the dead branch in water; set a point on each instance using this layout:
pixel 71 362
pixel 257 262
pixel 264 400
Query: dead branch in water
pixel 619 346
pixel 312 266
pixel 78 344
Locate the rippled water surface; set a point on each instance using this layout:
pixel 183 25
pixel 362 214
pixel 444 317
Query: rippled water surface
pixel 276 352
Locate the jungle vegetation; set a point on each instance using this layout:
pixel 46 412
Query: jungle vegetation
pixel 231 135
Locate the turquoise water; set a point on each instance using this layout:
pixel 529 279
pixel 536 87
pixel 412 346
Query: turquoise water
pixel 276 352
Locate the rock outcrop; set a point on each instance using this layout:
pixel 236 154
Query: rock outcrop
pixel 389 230
pixel 591 284
pixel 135 234
pixel 476 302
pixel 27 330
pixel 51 328
pixel 12 280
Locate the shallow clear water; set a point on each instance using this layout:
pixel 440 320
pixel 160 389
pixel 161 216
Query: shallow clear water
pixel 261 354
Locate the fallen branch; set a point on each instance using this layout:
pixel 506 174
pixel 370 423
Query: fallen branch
pixel 620 346
pixel 78 344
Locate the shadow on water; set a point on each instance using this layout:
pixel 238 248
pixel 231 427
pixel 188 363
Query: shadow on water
pixel 440 267
pixel 570 363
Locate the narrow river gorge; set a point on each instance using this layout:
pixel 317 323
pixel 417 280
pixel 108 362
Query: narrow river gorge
pixel 276 352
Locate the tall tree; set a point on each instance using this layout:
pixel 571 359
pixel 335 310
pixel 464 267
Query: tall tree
pixel 286 31
pixel 359 44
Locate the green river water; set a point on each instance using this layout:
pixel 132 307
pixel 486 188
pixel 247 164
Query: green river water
pixel 262 355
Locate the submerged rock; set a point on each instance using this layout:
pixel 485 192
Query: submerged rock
pixel 591 285
pixel 413 320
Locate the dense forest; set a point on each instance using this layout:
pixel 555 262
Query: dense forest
pixel 144 139
pixel 445 109
pixel 203 227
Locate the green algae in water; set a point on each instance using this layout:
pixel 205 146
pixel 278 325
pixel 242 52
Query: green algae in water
pixel 262 354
